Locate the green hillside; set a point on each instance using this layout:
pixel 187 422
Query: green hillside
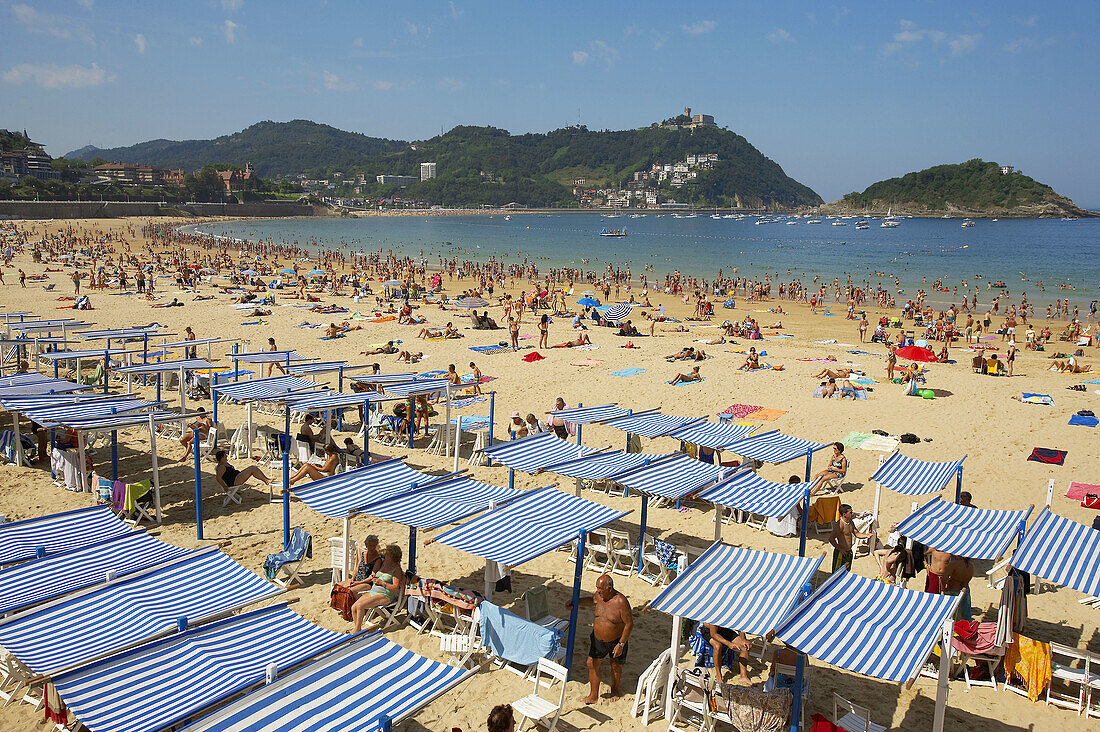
pixel 273 148
pixel 973 187
pixel 486 165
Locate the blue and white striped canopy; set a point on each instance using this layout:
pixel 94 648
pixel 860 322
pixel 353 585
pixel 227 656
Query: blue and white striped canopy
pixel 775 447
pixel 346 691
pixel 1062 551
pixel 976 533
pixel 50 325
pixel 33 582
pixel 868 627
pixel 588 415
pixel 673 478
pixel 747 491
pixel 736 588
pixel 196 342
pixel 93 335
pixel 263 389
pixel 337 495
pixel 39 388
pixel 318 367
pixel 417 388
pixel 650 424
pixel 714 436
pixel 67 355
pixel 603 464
pixel 28 378
pixel 529 526
pixel 384 378
pixel 440 503
pixel 618 312
pixel 177 677
pixel 532 454
pixel 84 410
pixel 322 399
pixel 23 403
pixel 114 421
pixel 267 357
pixel 95 621
pixel 58 532
pixel 187 364
pixel 913 477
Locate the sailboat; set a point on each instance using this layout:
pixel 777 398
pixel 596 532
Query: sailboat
pixel 889 222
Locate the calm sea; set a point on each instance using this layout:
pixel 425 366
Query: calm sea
pixel 1021 253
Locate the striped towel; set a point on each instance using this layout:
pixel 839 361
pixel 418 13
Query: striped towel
pixel 491 350
pixel 737 411
pixel 880 443
pixel 466 401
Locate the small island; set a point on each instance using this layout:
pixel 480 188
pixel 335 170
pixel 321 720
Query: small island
pixel 971 189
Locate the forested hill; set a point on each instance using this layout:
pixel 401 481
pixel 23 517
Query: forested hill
pixel 973 188
pixel 273 148
pixel 488 165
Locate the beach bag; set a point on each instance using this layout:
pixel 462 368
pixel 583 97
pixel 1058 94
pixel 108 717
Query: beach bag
pixel 341 600
pixel 909 438
pixel 1091 501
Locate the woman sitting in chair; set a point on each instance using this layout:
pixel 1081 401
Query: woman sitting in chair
pixel 369 561
pixel 385 586
pixel 228 476
pixel 314 472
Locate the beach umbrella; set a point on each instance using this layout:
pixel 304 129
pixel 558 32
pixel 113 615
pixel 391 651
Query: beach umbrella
pixel 249 273
pixel 916 353
pixel 315 272
pixel 472 302
pixel 392 283
pixel 588 302
pixel 287 271
pixel 619 311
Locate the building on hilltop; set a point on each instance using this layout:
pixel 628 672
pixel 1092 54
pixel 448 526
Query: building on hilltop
pixel 1007 169
pixel 30 161
pixel 402 180
pixel 427 171
pixel 238 180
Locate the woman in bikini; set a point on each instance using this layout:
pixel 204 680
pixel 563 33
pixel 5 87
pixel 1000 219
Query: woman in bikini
pixel 369 559
pixel 385 583
pixel 838 468
pixel 228 476
pixel 544 330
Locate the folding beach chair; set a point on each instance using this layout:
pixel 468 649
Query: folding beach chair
pixel 597 552
pixel 462 647
pixel 336 546
pixel 283 568
pixel 137 505
pixel 536 707
pixel 622 554
pixel 660 561
pixel 537 602
pixel 388 614
pixel 649 697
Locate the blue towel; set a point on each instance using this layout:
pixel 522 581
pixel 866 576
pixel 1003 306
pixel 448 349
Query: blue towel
pixel 860 353
pixel 625 373
pixel 301 544
pixel 514 639
pixel 1080 421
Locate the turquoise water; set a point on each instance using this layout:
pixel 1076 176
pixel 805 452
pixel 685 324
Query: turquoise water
pixel 1050 251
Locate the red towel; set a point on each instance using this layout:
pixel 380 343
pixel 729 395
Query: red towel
pixel 823 725
pixel 973 638
pixel 740 410
pixel 533 356
pixel 1047 455
pixel 1077 490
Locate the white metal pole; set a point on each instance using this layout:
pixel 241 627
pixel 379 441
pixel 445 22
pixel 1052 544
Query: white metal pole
pixel 674 661
pixel 943 682
pixel 81 456
pixel 1050 489
pixel 878 492
pixel 156 466
pixel 17 448
pixel 347 539
pixel 447 427
pixel 719 514
pixel 183 399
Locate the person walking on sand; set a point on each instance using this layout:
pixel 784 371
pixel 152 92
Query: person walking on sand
pixel 544 330
pixel 610 634
pixel 863 327
pixel 891 360
pixel 513 332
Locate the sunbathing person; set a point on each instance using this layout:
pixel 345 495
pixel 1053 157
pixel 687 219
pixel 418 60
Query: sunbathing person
pixel 385 584
pixel 685 354
pixel 429 333
pixel 202 423
pixel 315 472
pixel 409 357
pixel 581 340
pixel 677 329
pixel 228 476
pixel 259 312
pixel 1071 366
pixel 684 378
pixel 828 389
pixel 245 298
pixel 752 361
pixel 838 374
pixel 388 348
pixel 174 304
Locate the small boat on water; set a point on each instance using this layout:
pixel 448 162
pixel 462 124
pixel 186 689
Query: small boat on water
pixel 967 224
pixel 613 232
pixel 838 222
pixel 862 225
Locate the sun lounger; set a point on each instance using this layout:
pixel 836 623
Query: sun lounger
pixel 283 568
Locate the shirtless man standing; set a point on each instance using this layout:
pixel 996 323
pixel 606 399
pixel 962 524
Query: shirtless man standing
pixel 956 581
pixel 610 632
pixel 936 563
pixel 841 538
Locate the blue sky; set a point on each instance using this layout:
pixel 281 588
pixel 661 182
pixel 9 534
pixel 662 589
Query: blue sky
pixel 839 94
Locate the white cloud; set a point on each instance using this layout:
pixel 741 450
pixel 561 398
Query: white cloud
pixel 50 76
pixel 380 84
pixel 195 40
pixel 597 51
pixel 358 43
pixel 964 43
pixel 232 5
pixel 52 25
pixel 333 82
pixel 778 35
pixel 455 12
pixel 699 27
pixel 85 3
pixel 140 43
pixel 449 82
pixel 580 57
pixel 229 28
pixel 413 28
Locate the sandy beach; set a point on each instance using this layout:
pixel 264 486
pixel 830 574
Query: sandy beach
pixel 978 416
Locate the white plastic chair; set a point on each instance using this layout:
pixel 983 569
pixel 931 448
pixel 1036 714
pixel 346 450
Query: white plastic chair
pixel 462 647
pixel 336 547
pixel 596 546
pixel 536 707
pixel 649 697
pixel 856 719
pixel 1072 667
pixel 388 614
pixel 304 453
pixel 622 553
pixel 537 603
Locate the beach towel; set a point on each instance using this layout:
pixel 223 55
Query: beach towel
pixel 1029 661
pixel 304 324
pixel 820 724
pixel 300 543
pixel 681 383
pixel 1029 398
pixel 1080 420
pixel 586 347
pixel 587 362
pixel 972 637
pixel 514 639
pixel 827 342
pixel 863 382
pixel 534 356
pixel 860 353
pixel 255 322
pixel 466 401
pixel 737 411
pixel 880 443
pixel 626 373
pixel 491 350
pixel 768 415
pixel 780 335
pixel 1047 455
pixel 1077 490
pixel 855 439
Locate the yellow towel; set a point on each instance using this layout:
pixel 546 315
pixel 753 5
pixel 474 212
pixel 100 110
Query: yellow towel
pixel 825 509
pixel 1029 661
pixel 134 491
